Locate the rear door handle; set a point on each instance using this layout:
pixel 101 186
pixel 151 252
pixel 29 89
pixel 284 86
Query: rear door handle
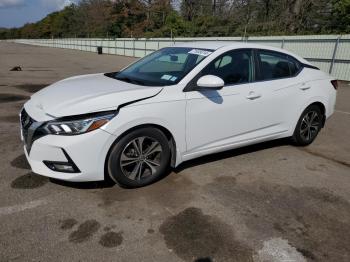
pixel 253 95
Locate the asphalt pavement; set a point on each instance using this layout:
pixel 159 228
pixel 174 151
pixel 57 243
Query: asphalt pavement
pixel 267 202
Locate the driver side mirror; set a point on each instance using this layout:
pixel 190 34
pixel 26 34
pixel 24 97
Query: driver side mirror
pixel 210 82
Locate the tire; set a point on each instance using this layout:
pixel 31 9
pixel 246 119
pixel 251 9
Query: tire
pixel 139 158
pixel 308 126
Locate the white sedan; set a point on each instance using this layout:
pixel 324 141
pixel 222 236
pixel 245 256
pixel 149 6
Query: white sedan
pixel 171 106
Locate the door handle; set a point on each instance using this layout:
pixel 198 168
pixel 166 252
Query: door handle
pixel 304 86
pixel 253 95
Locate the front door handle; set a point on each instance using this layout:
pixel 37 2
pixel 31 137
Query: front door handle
pixel 304 86
pixel 253 95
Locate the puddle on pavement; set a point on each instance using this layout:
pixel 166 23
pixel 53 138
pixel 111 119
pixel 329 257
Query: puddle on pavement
pixel 111 239
pixel 29 181
pixel 150 231
pixel 68 223
pixel 306 253
pixel 20 162
pixel 5 98
pixel 31 88
pixel 192 234
pixel 172 191
pixel 314 221
pixel 84 232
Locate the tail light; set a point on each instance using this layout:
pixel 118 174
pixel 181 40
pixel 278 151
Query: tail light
pixel 334 84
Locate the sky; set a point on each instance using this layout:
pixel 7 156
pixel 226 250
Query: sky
pixel 15 13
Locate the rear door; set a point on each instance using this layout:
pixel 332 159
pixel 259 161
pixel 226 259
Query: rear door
pixel 280 88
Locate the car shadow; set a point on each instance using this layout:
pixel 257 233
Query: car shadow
pixel 212 95
pixel 188 164
pixel 231 153
pixel 83 185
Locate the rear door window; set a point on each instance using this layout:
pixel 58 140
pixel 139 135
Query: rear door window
pixel 274 65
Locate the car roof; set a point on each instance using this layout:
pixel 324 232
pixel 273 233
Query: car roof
pixel 215 45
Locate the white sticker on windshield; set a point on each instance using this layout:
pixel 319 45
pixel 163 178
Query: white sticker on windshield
pixel 200 52
pixel 173 78
pixel 166 77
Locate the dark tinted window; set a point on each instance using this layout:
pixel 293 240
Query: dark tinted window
pixel 234 67
pixel 294 65
pixel 274 65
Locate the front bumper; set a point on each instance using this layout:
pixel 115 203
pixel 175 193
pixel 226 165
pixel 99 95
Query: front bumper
pixel 87 151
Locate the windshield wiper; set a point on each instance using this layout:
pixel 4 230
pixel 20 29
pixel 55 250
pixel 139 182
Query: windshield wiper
pixel 125 79
pixel 129 80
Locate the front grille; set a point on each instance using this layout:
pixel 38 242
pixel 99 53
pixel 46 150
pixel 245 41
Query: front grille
pixel 26 122
pixel 30 129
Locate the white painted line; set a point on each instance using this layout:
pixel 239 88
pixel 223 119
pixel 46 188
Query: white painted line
pixel 18 208
pixel 342 112
pixel 278 250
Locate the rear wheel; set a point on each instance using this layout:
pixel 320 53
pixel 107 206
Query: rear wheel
pixel 308 127
pixel 139 158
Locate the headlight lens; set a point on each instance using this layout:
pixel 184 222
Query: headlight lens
pixel 80 125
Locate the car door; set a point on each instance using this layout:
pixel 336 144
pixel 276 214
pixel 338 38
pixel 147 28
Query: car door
pixel 240 113
pixel 280 88
pixel 218 118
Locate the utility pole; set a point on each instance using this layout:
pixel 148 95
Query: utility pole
pixel 214 7
pixel 149 4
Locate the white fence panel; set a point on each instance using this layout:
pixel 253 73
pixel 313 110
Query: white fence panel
pixel 331 53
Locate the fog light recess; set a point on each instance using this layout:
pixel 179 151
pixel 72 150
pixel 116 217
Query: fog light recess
pixel 60 166
pixel 65 167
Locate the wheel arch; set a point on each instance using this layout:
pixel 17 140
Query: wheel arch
pixel 318 101
pixel 164 130
pixel 323 110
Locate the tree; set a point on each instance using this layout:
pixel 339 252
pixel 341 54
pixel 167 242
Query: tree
pixel 161 18
pixel 341 16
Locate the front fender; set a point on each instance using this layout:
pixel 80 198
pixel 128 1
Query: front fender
pixel 169 115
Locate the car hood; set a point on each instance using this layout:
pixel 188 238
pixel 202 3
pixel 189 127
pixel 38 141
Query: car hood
pixel 85 94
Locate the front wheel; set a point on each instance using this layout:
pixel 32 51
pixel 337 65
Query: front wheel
pixel 308 127
pixel 139 158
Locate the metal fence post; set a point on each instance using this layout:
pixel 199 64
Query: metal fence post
pixel 334 54
pixel 282 45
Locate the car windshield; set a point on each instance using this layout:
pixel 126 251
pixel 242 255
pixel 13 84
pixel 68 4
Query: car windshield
pixel 164 67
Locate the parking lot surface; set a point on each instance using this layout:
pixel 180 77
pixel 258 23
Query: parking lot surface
pixel 268 202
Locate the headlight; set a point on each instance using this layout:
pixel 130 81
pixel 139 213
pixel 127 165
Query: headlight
pixel 79 124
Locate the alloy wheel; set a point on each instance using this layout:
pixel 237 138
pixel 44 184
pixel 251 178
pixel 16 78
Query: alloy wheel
pixel 310 125
pixel 141 158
